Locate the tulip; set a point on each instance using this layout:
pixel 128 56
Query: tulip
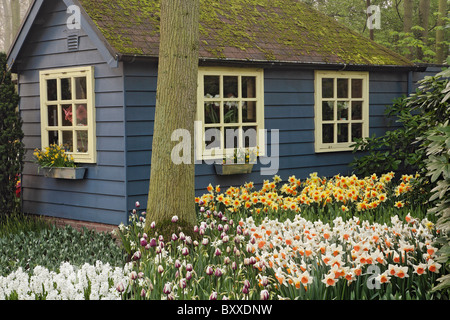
pixel 143 293
pixel 167 288
pixel 189 267
pixel 196 229
pixel 185 251
pixel 143 242
pixel 264 294
pixel 153 242
pixel 160 269
pixel 205 241
pixel 218 272
pixel 137 255
pixel 137 204
pixel 120 288
pixel 177 264
pixel 183 283
pixel 217 252
pixel 175 219
pixel 133 275
pixel 188 275
pixel 209 270
pixel 213 296
pixel 174 237
pixel 153 225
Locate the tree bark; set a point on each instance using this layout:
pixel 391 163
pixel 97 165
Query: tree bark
pixel 6 25
pixel 15 17
pixel 171 190
pixel 424 14
pixel 440 32
pixel 407 21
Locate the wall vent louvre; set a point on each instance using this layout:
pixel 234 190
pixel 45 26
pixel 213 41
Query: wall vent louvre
pixel 72 42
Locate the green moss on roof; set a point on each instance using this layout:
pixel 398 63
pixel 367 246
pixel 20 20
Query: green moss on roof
pixel 262 30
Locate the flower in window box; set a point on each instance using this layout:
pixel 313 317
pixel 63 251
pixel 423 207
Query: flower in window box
pixel 241 156
pixel 53 156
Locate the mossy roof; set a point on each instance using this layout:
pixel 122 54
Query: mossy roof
pixel 243 30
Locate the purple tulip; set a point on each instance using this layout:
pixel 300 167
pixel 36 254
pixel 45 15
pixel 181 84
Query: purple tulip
pixel 264 295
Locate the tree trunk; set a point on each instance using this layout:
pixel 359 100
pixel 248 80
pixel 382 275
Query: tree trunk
pixel 440 32
pixel 6 25
pixel 424 13
pixel 171 190
pixel 15 17
pixel 407 21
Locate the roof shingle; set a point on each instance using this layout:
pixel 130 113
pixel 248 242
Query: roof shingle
pixel 243 30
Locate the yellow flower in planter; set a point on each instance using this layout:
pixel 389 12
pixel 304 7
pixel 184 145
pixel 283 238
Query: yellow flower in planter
pixel 52 157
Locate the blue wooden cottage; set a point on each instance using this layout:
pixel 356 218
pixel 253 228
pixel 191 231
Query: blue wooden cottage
pixel 87 74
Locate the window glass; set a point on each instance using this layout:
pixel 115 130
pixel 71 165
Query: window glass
pixel 66 89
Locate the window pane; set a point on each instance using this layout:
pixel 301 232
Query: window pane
pixel 66 89
pixel 230 110
pixel 82 141
pixel 327 110
pixel 250 137
pixel 53 137
pixel 211 86
pixel 327 88
pixel 67 115
pixel 52 116
pixel 82 118
pixel 327 133
pixel 80 87
pixel 356 131
pixel 249 111
pixel 212 112
pixel 231 138
pixel 212 138
pixel 357 88
pixel 67 140
pixel 357 110
pixel 342 110
pixel 52 93
pixel 248 87
pixel 342 88
pixel 342 132
pixel 230 87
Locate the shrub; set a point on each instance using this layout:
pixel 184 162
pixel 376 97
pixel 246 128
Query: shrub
pixel 438 166
pixel 11 147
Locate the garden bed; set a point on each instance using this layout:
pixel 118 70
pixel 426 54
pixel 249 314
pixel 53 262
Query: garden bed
pixel 319 239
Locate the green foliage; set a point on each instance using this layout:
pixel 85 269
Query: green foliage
pixel 11 146
pixel 399 149
pixel 49 247
pixel 438 166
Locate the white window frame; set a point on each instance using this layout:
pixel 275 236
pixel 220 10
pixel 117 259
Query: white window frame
pixel 339 146
pixel 91 155
pixel 222 152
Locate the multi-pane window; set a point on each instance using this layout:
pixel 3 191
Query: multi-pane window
pixel 341 111
pixel 67 111
pixel 231 109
